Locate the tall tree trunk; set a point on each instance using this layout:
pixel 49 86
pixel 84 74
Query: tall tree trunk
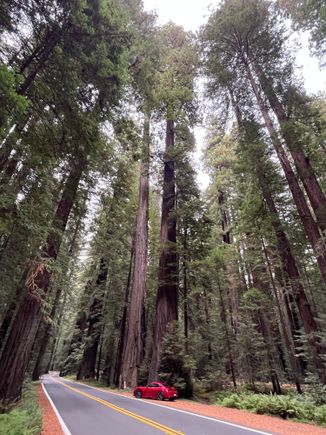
pixel 286 329
pixel 46 336
pixel 227 239
pixel 167 294
pixel 37 371
pixel 271 350
pixel 289 265
pixel 123 325
pixel 311 229
pixel 227 335
pixel 16 352
pixel 133 347
pixel 185 290
pixel 87 368
pixel 306 172
pixel 56 341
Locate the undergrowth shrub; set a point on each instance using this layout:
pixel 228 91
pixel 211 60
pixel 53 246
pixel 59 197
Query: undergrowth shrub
pixel 286 406
pixel 25 418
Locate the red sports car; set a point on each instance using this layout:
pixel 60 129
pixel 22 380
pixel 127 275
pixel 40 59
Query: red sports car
pixel 156 390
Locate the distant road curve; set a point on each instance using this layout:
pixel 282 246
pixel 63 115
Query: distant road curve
pixel 87 411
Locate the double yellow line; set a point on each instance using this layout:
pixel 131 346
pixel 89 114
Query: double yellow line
pixel 156 425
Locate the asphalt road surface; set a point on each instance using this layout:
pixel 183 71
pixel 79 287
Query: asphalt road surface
pixel 87 411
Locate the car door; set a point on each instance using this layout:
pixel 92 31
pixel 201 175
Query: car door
pixel 149 391
pixel 155 390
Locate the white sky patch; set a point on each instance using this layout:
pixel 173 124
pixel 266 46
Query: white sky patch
pixel 191 14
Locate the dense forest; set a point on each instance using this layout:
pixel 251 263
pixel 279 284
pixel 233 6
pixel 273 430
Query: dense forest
pixel 114 264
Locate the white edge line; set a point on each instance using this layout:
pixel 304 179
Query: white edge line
pixel 174 409
pixel 66 431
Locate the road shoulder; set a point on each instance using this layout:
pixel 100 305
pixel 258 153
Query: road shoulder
pixel 50 421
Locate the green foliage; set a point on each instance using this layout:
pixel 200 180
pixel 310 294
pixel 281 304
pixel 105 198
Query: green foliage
pixel 12 105
pixel 25 418
pixel 176 364
pixel 309 15
pixel 287 407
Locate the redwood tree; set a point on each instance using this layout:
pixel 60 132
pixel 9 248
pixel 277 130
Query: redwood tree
pixel 176 87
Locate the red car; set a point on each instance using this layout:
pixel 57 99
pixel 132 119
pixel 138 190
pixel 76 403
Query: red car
pixel 156 390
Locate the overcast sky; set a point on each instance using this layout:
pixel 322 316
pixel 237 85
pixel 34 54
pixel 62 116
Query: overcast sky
pixel 193 13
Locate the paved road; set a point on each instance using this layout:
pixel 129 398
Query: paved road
pixel 89 411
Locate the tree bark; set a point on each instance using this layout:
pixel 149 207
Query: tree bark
pixel 311 229
pixel 123 325
pixel 87 368
pixel 287 331
pixel 227 336
pixel 289 265
pixel 16 352
pixel 185 290
pixel 133 347
pixel 167 294
pixel 306 172
pixel 227 239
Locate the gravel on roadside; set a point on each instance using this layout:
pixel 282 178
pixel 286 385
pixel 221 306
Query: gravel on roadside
pixel 50 422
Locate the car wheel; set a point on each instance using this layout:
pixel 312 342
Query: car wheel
pixel 138 394
pixel 160 396
pixel 172 399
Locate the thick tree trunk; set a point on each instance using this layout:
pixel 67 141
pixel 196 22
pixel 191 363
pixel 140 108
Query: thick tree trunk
pixel 87 368
pixel 306 172
pixel 16 352
pixel 133 347
pixel 167 294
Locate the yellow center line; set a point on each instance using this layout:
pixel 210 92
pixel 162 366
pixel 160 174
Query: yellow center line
pixel 145 420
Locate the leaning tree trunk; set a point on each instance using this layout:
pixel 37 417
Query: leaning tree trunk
pixel 167 294
pixel 16 352
pixel 290 267
pixel 50 42
pixel 306 172
pixel 133 347
pixel 46 336
pixel 291 271
pixel 87 368
pixel 310 226
pixel 287 331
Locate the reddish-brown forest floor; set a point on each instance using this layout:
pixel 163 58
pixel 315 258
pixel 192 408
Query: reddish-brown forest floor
pixel 50 422
pixel 275 425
